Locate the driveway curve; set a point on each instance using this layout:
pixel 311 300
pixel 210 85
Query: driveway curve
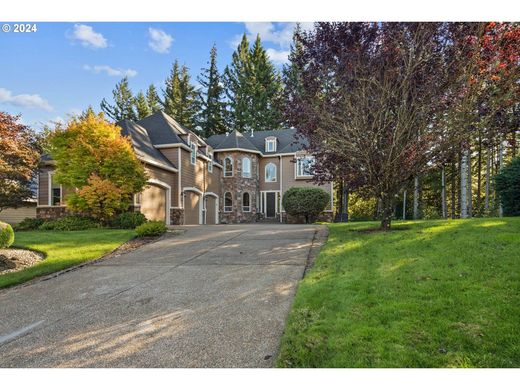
pixel 214 296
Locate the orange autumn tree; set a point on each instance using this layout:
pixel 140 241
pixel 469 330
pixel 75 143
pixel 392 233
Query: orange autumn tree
pixel 92 156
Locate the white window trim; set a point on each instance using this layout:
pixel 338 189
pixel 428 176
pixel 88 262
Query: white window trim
pixel 263 206
pixel 136 197
pixel 225 210
pixel 248 176
pixel 49 200
pixel 246 209
pixel 298 158
pixel 193 153
pixel 210 162
pixel 270 141
pixel 232 167
pixel 275 173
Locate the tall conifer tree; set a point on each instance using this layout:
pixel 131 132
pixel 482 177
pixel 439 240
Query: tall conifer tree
pixel 211 115
pixel 123 107
pixel 180 97
pixel 153 99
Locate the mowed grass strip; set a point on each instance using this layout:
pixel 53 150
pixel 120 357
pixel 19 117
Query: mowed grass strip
pixel 427 294
pixel 64 250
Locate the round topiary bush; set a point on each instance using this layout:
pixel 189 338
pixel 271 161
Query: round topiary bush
pixel 128 220
pixel 151 228
pixel 6 235
pixel 507 183
pixel 305 202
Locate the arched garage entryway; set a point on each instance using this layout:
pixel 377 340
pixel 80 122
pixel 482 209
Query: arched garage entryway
pixel 192 206
pixel 156 200
pixel 211 208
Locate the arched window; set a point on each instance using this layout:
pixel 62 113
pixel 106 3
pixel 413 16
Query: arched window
pixel 270 172
pixel 246 167
pixel 228 202
pixel 246 202
pixel 228 167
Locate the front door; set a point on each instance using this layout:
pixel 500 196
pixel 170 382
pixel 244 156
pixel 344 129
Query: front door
pixel 270 209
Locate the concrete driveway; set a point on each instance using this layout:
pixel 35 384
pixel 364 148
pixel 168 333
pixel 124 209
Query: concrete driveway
pixel 215 296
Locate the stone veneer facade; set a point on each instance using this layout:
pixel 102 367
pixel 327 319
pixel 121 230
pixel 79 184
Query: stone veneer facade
pixel 52 212
pixel 237 185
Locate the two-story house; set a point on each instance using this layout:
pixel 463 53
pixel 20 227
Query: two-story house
pixel 228 178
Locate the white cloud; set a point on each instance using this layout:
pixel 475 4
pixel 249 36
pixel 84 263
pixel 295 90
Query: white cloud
pixel 116 72
pixel 277 33
pixel 278 56
pixel 24 100
pixel 159 41
pixel 88 37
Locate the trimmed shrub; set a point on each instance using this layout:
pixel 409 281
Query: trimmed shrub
pixel 128 220
pixel 70 223
pixel 507 184
pixel 6 235
pixel 151 228
pixel 30 224
pixel 305 202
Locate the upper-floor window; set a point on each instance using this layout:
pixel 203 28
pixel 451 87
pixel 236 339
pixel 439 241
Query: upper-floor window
pixel 210 162
pixel 54 191
pixel 228 202
pixel 270 144
pixel 246 167
pixel 228 167
pixel 246 202
pixel 270 172
pixel 304 166
pixel 193 147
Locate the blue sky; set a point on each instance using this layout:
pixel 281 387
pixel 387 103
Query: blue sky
pixel 64 67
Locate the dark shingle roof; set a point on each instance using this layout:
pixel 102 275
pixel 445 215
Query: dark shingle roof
pixel 234 140
pixel 163 129
pixel 142 144
pixel 287 141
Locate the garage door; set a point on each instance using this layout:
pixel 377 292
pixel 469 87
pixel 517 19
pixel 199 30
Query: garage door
pixel 153 203
pixel 191 208
pixel 211 207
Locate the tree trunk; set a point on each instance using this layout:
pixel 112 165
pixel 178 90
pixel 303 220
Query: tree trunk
pixel 464 183
pixel 500 163
pixel 404 205
pixel 479 176
pixel 416 204
pixel 488 176
pixel 443 193
pixel 386 211
pixel 470 188
pixel 453 190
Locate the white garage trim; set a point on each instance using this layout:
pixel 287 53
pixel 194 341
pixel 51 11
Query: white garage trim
pixel 201 200
pixel 216 205
pixel 168 189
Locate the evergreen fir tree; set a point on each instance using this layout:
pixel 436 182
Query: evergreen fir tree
pixel 141 106
pixel 153 99
pixel 253 88
pixel 180 97
pixel 238 88
pixel 267 90
pixel 210 119
pixel 292 72
pixel 123 107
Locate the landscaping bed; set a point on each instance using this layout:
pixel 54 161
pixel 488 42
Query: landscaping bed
pixel 436 294
pixel 12 260
pixel 63 249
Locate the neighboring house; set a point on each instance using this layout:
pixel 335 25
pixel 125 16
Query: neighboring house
pixel 25 210
pixel 227 178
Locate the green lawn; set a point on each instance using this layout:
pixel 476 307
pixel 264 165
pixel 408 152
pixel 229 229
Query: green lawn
pixel 63 250
pixel 439 294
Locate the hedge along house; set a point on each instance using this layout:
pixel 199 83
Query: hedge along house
pixel 227 178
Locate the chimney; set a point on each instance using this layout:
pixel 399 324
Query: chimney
pixel 252 133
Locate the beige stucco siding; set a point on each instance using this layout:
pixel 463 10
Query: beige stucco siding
pixel 266 186
pixel 289 177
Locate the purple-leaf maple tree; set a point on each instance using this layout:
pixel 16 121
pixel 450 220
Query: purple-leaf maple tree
pixel 369 98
